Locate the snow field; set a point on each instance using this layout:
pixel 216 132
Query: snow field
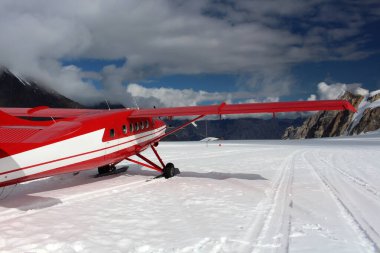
pixel 246 196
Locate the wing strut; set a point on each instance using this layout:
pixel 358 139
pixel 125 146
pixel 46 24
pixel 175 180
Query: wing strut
pixel 178 128
pixel 150 165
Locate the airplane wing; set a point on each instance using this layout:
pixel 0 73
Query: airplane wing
pixel 46 112
pixel 224 108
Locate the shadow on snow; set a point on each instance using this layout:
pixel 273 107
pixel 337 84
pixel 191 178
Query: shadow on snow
pixel 23 196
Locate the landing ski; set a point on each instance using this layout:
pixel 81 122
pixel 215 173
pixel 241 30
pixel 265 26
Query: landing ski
pixel 113 172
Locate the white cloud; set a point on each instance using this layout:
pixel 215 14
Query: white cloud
pixel 333 91
pixel 169 97
pixel 262 100
pixel 312 97
pixel 360 91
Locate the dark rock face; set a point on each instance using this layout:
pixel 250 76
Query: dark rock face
pixel 104 105
pixel 369 122
pixel 16 92
pixel 333 123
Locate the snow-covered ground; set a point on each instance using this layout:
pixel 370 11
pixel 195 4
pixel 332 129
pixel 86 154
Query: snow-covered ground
pixel 245 196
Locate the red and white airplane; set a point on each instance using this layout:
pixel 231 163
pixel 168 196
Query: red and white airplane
pixel 71 140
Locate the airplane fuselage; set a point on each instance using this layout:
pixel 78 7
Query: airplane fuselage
pixel 68 146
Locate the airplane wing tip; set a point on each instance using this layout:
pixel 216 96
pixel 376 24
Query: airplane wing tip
pixel 348 106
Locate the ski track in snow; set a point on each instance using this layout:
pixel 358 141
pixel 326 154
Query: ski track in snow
pixel 355 179
pixel 364 223
pixel 252 196
pixel 271 226
pixel 360 226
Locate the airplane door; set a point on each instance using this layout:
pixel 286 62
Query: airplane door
pixel 111 144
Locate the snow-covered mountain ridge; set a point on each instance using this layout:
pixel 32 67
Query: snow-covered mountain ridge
pixel 332 123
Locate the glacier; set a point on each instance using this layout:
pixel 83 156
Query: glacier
pixel 314 195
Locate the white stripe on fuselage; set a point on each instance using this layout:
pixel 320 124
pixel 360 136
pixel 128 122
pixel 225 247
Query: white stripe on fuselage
pixel 70 151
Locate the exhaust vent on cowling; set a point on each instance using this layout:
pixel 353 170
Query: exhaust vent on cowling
pixel 16 134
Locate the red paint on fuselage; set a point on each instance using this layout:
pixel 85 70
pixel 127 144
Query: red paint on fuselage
pixel 116 125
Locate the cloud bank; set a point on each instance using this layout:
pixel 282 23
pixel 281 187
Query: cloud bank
pixel 169 97
pixel 258 39
pixel 335 90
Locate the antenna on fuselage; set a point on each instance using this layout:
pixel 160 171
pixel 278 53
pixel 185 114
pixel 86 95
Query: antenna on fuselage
pixel 109 108
pixel 134 100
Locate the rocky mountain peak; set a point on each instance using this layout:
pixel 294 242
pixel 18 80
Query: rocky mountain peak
pixel 337 123
pixel 352 98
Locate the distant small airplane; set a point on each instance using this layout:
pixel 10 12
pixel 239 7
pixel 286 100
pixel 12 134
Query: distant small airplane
pixel 40 142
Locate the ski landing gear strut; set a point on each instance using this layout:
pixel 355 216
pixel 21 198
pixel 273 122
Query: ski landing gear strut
pixel 110 169
pixel 167 170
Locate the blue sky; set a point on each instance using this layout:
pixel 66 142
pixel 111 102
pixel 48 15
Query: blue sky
pixel 177 52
